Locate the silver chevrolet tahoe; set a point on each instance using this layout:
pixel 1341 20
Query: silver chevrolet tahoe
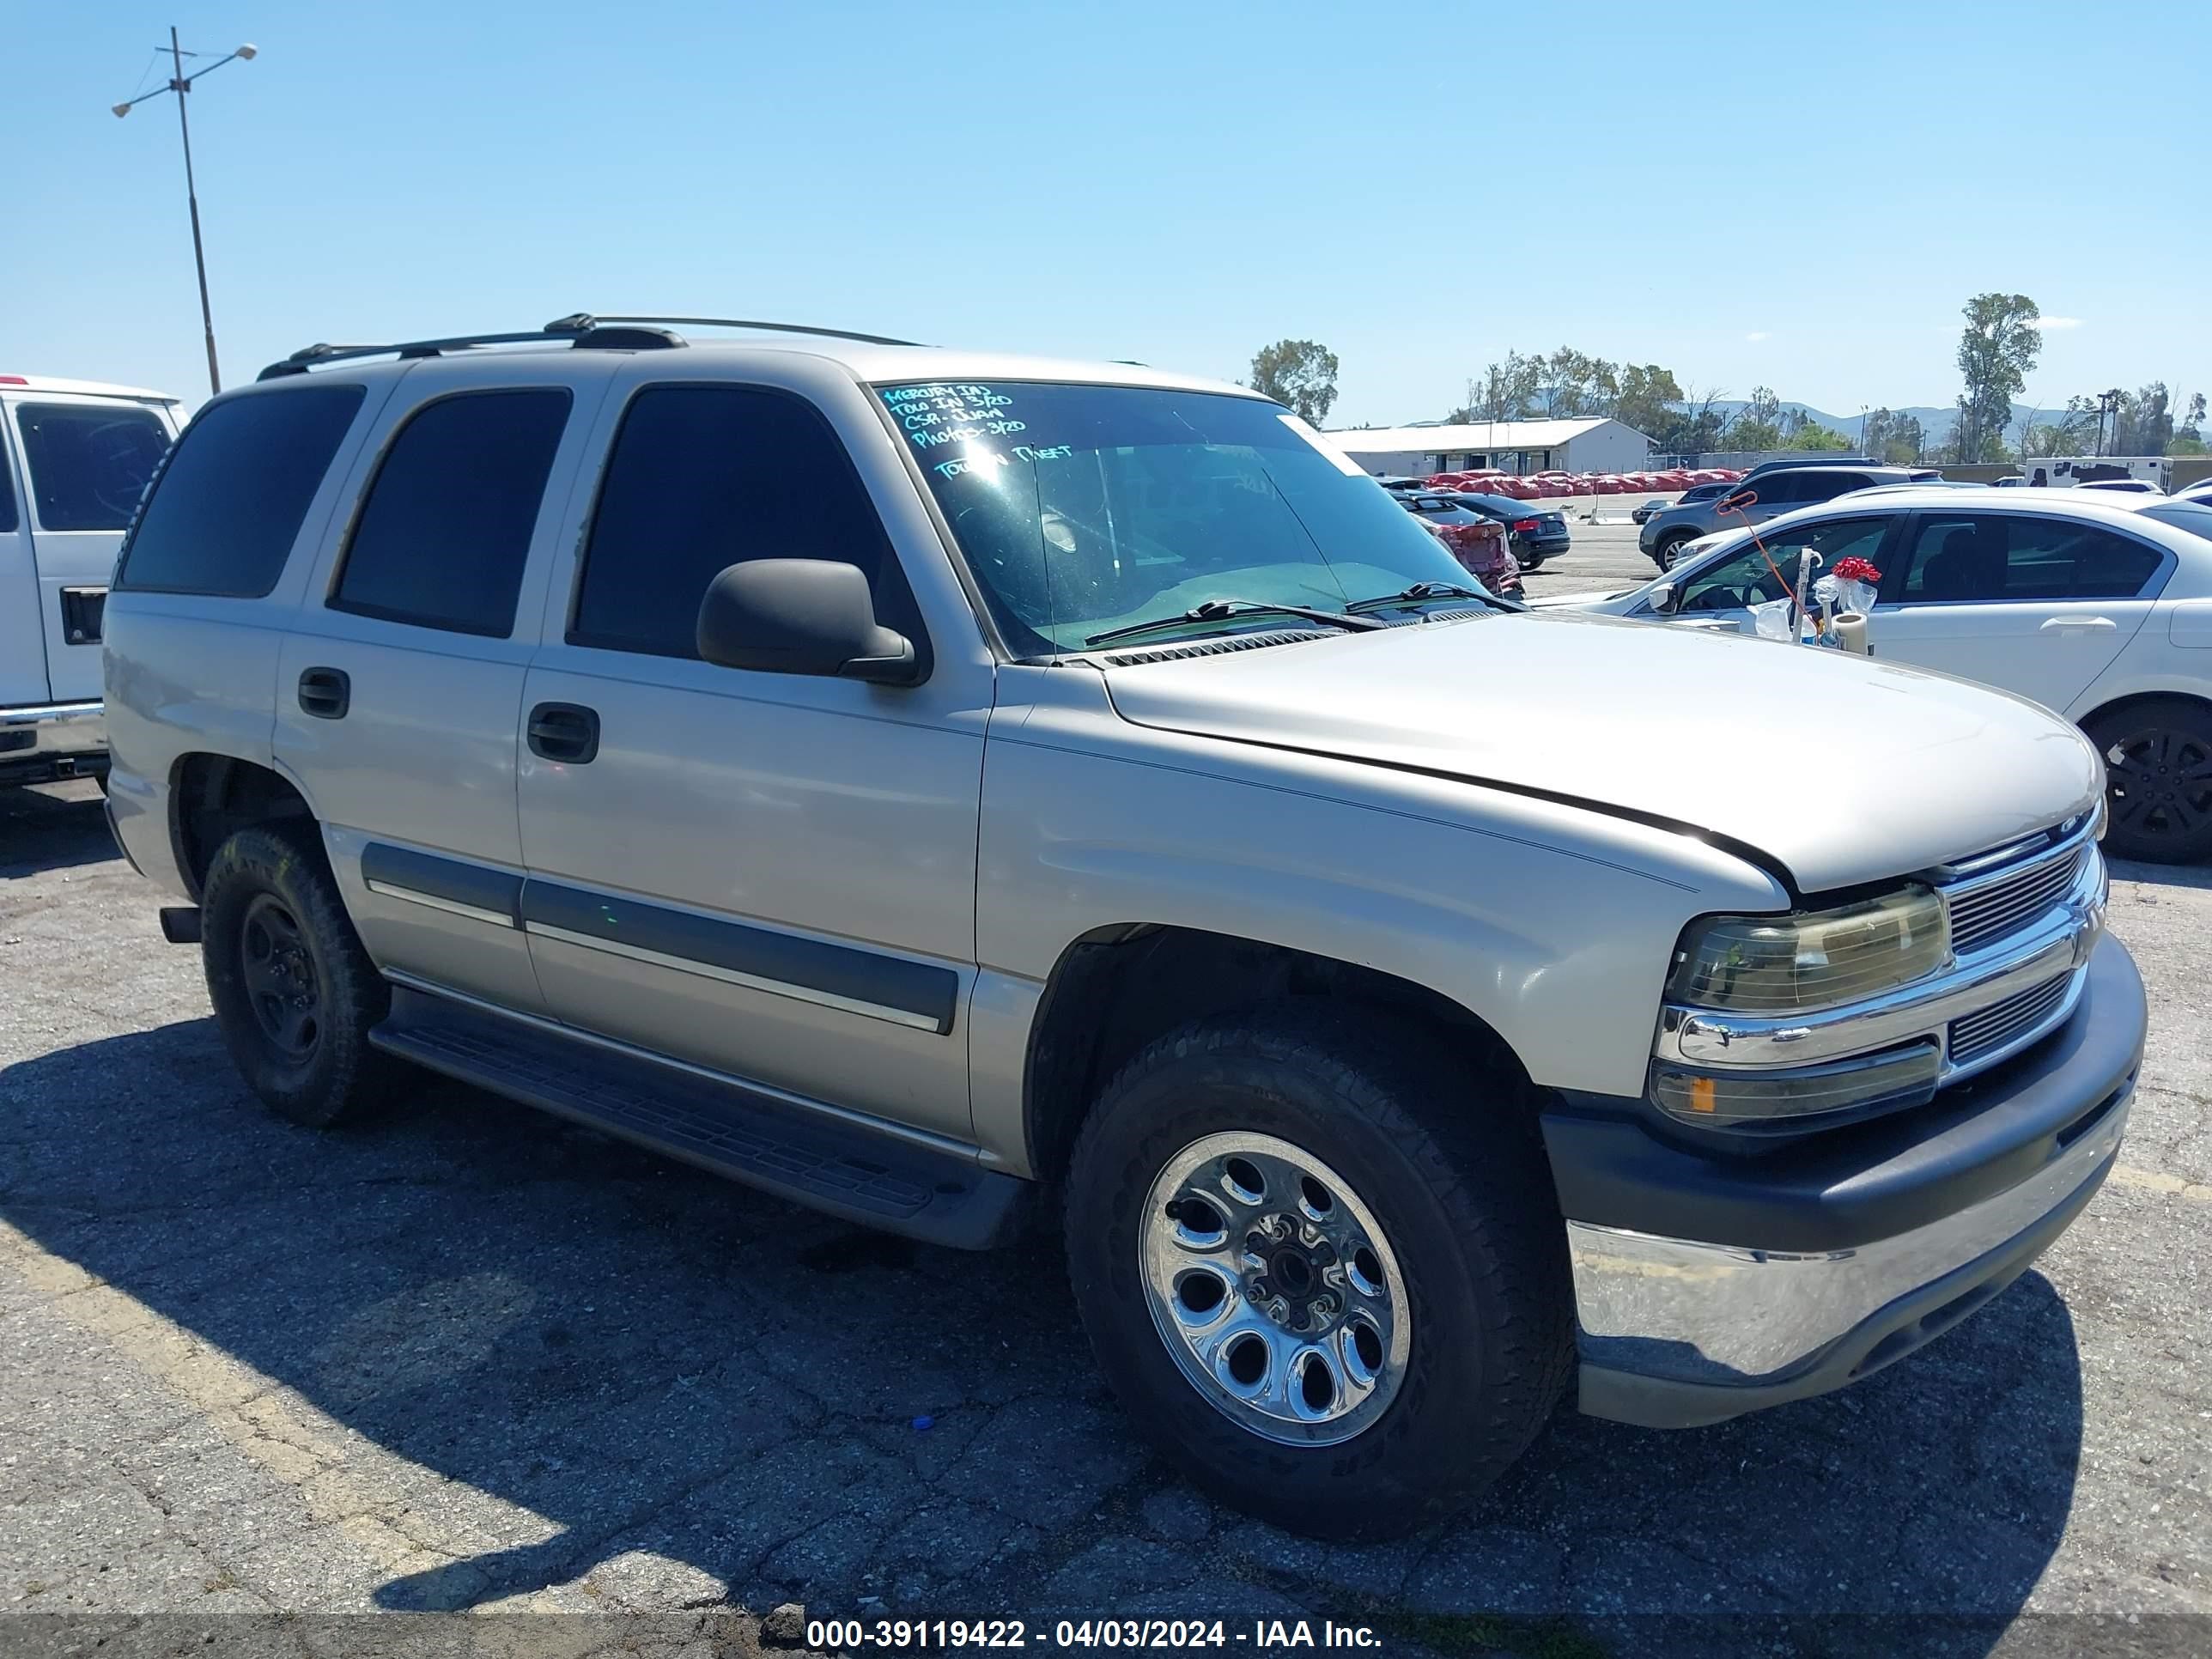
pixel 914 782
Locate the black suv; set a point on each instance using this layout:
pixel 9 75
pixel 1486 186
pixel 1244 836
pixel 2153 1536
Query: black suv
pixel 1762 496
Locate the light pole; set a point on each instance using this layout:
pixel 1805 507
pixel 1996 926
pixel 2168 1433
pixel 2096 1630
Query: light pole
pixel 180 83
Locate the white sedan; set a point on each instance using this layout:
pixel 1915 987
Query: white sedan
pixel 2096 604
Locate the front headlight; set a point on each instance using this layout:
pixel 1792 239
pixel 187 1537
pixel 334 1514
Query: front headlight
pixel 1819 959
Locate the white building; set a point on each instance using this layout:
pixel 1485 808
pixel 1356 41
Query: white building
pixel 1590 445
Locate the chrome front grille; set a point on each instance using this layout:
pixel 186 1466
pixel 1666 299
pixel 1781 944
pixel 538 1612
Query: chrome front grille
pixel 1985 912
pixel 1988 1029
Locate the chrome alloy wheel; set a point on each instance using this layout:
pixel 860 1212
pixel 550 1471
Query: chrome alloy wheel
pixel 1274 1289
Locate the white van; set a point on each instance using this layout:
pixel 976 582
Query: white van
pixel 2065 471
pixel 75 457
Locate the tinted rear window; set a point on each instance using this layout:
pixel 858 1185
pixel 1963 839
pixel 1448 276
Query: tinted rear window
pixel 1827 486
pixel 2014 557
pixel 227 509
pixel 444 532
pixel 7 494
pixel 88 463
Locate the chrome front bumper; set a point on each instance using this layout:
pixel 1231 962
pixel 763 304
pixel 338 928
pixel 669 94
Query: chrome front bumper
pixel 1825 1285
pixel 58 735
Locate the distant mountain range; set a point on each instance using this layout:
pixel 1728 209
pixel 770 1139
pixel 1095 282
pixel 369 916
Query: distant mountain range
pixel 1936 419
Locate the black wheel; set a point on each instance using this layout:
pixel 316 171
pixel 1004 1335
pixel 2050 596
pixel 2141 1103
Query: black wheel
pixel 1324 1273
pixel 2158 779
pixel 1670 547
pixel 292 990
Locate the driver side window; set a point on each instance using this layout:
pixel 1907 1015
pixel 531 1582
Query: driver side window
pixel 1751 577
pixel 703 475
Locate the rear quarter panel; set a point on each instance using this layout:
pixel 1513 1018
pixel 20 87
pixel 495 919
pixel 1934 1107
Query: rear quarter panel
pixel 189 673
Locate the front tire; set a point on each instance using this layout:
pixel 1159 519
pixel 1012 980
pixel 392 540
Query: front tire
pixel 1670 547
pixel 1324 1275
pixel 2158 780
pixel 294 991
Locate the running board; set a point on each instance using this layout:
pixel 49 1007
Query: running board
pixel 822 1162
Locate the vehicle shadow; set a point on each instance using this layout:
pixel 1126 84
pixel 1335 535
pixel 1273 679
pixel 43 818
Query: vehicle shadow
pixel 575 1353
pixel 52 827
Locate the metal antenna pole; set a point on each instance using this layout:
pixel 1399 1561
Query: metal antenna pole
pixel 182 87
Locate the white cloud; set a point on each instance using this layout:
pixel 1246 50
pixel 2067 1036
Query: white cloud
pixel 2058 322
pixel 1757 335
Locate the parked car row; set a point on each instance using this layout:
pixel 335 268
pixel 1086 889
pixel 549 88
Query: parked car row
pixel 2097 605
pixel 1536 535
pixel 1555 485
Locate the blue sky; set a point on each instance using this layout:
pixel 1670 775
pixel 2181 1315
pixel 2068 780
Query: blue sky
pixel 1801 197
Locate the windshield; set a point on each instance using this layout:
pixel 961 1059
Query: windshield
pixel 1082 509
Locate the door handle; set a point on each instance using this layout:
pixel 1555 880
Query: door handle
pixel 566 732
pixel 325 693
pixel 2078 625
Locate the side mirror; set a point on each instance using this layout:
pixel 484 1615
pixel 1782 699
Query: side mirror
pixel 802 616
pixel 1664 597
pixel 1738 503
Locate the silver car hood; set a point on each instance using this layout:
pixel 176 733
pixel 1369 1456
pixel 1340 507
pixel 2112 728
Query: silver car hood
pixel 1844 769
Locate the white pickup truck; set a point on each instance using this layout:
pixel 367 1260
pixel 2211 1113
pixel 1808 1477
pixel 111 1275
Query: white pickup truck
pixel 75 456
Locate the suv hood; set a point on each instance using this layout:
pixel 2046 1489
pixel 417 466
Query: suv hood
pixel 1843 769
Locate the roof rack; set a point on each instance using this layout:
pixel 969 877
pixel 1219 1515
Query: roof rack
pixel 587 320
pixel 582 330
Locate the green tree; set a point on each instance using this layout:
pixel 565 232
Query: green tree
pixel 2189 437
pixel 1758 424
pixel 1568 383
pixel 1697 427
pixel 2144 422
pixel 2069 434
pixel 1811 434
pixel 1506 391
pixel 1300 375
pixel 1647 397
pixel 1571 383
pixel 1997 349
pixel 1896 439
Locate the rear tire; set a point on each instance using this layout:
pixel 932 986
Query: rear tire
pixel 1408 1361
pixel 294 991
pixel 2158 779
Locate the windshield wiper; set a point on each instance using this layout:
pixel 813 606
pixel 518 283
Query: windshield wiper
pixel 1418 592
pixel 1217 610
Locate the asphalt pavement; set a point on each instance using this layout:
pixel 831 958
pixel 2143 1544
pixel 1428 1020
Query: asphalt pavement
pixel 258 1384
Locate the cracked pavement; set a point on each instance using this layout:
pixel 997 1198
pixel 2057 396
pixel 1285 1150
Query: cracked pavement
pixel 471 1357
